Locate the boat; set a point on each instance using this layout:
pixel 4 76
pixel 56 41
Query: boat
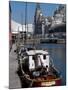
pixel 36 69
pixel 49 40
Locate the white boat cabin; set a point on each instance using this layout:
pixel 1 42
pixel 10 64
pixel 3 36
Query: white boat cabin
pixel 38 58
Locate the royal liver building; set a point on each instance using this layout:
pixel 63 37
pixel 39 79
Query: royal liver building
pixel 39 21
pixel 54 26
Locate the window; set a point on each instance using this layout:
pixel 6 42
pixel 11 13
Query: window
pixel 33 57
pixel 44 56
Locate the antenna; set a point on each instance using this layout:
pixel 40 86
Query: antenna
pixel 25 14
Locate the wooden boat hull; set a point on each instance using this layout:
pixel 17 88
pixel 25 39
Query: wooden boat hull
pixel 43 82
pixel 55 82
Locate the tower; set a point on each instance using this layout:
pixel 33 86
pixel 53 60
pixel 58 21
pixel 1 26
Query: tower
pixel 37 22
pixel 37 11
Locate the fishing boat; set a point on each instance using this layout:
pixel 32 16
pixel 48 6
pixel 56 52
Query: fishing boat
pixel 36 69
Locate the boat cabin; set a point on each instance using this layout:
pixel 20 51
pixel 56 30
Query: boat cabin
pixel 38 58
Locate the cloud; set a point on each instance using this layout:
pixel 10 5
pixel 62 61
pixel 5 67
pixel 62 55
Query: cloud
pixel 15 26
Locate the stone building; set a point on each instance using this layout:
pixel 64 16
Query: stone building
pixel 38 21
pixel 51 25
pixel 58 26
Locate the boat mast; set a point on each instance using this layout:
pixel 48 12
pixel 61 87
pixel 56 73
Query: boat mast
pixel 18 36
pixel 22 21
pixel 22 34
pixel 25 21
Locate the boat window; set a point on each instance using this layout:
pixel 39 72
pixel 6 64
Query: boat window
pixel 34 57
pixel 44 56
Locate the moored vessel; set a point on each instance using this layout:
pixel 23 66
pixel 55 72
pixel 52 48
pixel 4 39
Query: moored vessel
pixel 36 68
